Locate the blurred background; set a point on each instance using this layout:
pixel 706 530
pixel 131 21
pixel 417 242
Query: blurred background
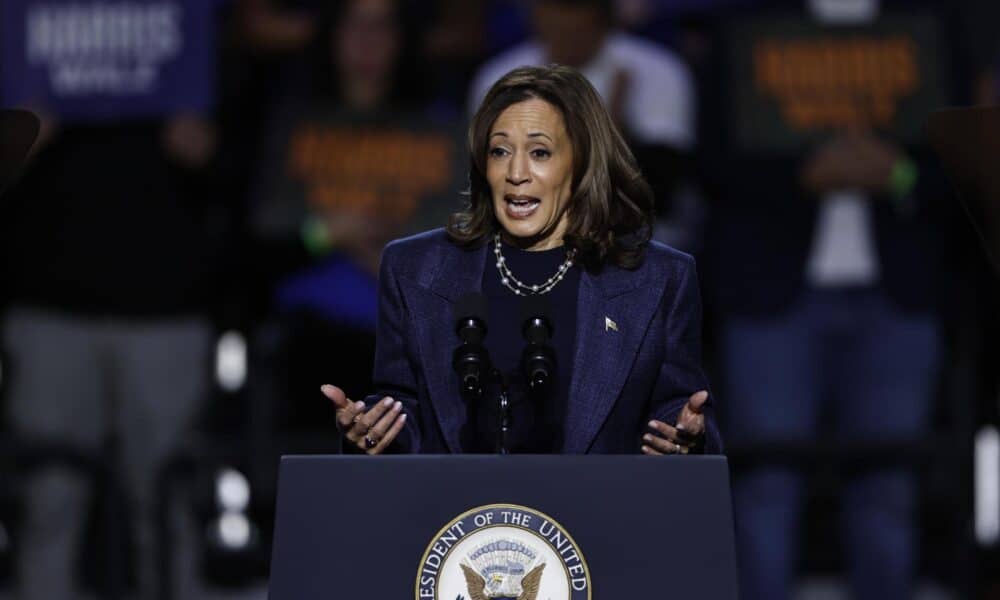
pixel 192 251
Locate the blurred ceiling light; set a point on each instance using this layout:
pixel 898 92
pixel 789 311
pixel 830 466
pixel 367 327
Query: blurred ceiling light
pixel 987 485
pixel 844 12
pixel 231 361
pixel 232 490
pixel 233 531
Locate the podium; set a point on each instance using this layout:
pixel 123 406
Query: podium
pixel 470 527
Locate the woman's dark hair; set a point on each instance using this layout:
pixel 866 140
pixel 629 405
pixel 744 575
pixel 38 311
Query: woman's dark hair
pixel 610 212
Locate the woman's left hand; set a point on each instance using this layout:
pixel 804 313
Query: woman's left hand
pixel 681 437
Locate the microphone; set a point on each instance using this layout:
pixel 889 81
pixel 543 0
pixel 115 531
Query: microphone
pixel 538 362
pixel 470 360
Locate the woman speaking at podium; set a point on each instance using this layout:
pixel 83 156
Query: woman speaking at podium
pixel 554 240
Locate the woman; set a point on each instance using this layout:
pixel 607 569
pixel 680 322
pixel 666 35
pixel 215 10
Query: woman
pixel 558 208
pixel 320 261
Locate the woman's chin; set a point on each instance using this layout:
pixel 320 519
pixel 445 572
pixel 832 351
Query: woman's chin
pixel 521 231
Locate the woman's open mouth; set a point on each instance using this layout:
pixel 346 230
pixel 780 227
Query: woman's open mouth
pixel 521 207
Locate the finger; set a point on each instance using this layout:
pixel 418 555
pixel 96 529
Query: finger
pixel 697 400
pixel 349 417
pixel 354 428
pixel 663 445
pixel 650 451
pixel 348 411
pixel 382 425
pixel 390 435
pixel 687 437
pixel 337 395
pixel 370 418
pixel 671 433
pixel 367 437
pixel 692 425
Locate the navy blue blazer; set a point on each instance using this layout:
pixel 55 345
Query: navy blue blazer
pixel 646 369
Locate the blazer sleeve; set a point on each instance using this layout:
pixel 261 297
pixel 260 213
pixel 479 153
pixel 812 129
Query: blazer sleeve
pixel 393 373
pixel 681 373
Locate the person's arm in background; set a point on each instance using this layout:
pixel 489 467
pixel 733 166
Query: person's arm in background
pixel 680 399
pixel 859 161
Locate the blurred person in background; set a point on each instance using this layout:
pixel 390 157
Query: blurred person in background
pixel 344 171
pixel 828 272
pixel 647 88
pixel 107 260
pixel 451 34
pixel 365 76
pixel 109 247
pixel 360 72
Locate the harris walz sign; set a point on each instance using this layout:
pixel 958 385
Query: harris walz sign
pixel 401 170
pixel 795 81
pixel 90 60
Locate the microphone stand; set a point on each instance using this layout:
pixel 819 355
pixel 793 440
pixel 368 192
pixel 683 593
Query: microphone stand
pixel 503 405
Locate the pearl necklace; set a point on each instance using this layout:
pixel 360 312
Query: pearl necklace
pixel 522 289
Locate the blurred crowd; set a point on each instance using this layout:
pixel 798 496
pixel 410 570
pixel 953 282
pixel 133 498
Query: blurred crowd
pixel 184 263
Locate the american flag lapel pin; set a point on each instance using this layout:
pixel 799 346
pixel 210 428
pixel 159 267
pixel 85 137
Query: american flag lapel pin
pixel 610 325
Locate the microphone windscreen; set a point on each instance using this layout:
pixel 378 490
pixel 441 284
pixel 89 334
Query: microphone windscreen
pixel 472 305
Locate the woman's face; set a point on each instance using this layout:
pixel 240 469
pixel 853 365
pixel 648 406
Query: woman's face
pixel 530 171
pixel 367 42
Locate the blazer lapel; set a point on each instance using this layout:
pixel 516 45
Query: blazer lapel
pixel 613 311
pixel 432 303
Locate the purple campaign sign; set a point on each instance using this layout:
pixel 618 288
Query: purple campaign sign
pixel 92 60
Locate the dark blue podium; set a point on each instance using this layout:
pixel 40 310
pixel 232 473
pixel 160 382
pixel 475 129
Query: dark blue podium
pixel 525 527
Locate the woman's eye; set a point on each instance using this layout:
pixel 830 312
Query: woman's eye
pixel 541 153
pixel 497 152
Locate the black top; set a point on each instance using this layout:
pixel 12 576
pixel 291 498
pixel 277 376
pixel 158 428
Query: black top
pixel 536 423
pixel 103 223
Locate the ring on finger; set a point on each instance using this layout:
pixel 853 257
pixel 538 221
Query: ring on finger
pixel 370 441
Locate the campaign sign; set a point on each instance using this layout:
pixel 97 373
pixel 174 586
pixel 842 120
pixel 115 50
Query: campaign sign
pixel 794 81
pixel 91 60
pixel 400 170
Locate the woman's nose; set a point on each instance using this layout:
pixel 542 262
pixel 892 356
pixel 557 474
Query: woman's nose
pixel 517 169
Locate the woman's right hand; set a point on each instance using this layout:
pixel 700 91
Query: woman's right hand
pixel 370 429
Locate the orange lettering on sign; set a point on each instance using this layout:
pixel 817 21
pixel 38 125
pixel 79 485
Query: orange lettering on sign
pixel 378 173
pixel 828 82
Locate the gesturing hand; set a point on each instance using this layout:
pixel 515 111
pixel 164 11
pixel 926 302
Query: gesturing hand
pixel 680 438
pixel 370 430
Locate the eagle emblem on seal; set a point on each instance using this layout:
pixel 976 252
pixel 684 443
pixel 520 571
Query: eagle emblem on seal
pixel 503 570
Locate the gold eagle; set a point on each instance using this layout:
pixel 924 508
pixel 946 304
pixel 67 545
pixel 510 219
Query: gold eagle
pixel 529 584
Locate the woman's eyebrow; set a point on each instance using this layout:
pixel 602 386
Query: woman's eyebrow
pixel 540 134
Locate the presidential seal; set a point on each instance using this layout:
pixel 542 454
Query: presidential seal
pixel 503 552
